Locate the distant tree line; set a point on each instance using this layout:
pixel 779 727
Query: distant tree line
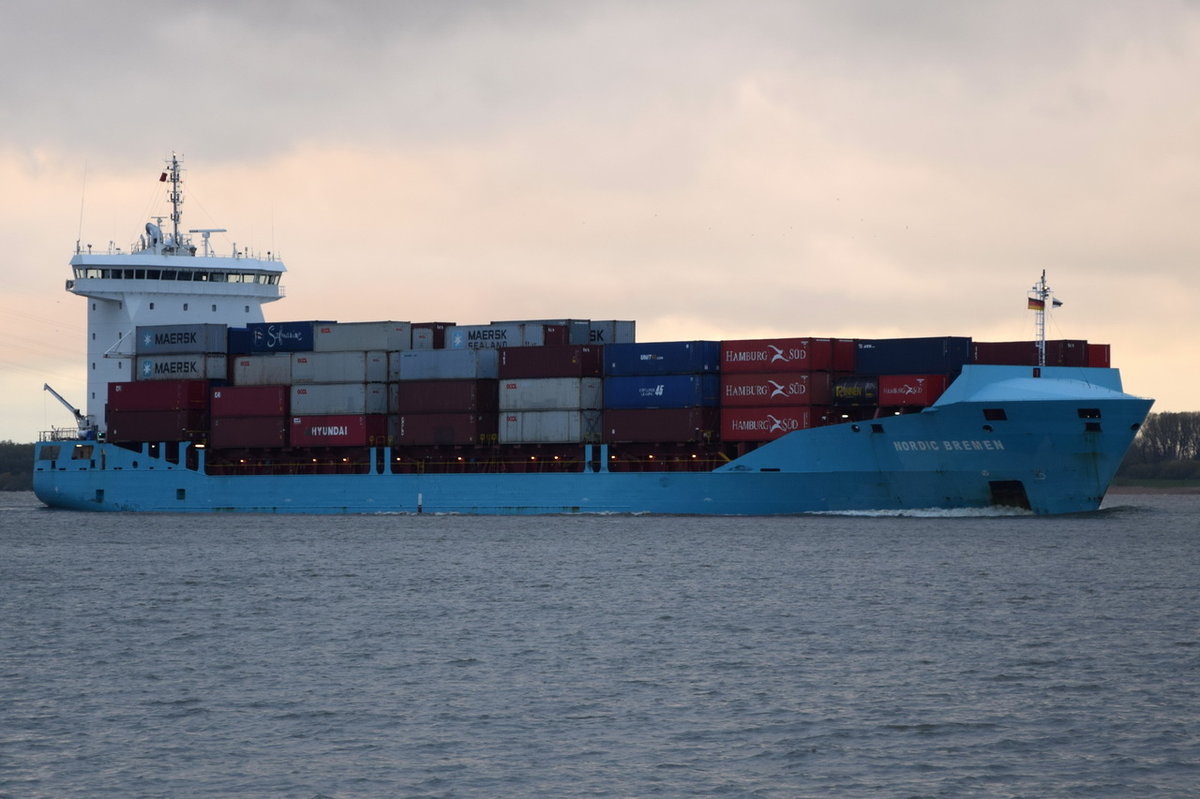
pixel 1166 448
pixel 16 466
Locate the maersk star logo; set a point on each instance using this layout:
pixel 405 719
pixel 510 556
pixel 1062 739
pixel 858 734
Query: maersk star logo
pixel 456 340
pixel 148 339
pixel 147 368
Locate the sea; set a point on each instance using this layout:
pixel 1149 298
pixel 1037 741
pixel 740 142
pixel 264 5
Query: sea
pixel 872 655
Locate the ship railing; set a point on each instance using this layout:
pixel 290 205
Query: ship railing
pixel 67 434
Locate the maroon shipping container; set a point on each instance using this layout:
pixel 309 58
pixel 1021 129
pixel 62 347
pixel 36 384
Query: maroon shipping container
pixel 655 425
pixel 443 396
pixel 340 430
pixel 158 395
pixel 424 429
pixel 1099 355
pixel 553 336
pixel 845 354
pixel 153 426
pixel 1059 352
pixel 777 355
pixel 763 424
pixel 246 432
pixel 250 401
pixel 797 388
pixel 552 361
pixel 910 390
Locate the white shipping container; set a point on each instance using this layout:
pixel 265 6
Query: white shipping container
pixel 339 367
pixel 481 337
pixel 422 338
pixel 181 367
pixel 464 364
pixel 271 369
pixel 551 393
pixel 549 427
pixel 339 398
pixel 351 336
pixel 612 332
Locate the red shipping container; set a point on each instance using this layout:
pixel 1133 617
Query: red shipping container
pixel 763 424
pixel 1099 355
pixel 369 430
pixel 555 336
pixel 777 355
pixel 659 425
pixel 910 390
pixel 242 432
pixel 157 425
pixel 158 395
pixel 845 354
pixel 552 361
pixel 799 388
pixel 425 429
pixel 444 396
pixel 1059 352
pixel 250 401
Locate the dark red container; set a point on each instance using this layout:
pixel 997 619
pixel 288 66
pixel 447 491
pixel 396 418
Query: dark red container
pixel 424 429
pixel 552 361
pixel 553 336
pixel 777 355
pixel 1061 352
pixel 250 401
pixel 254 432
pixel 158 395
pixel 444 396
pixel 845 355
pixel 370 430
pixel 763 424
pixel 651 425
pixel 910 390
pixel 130 426
pixel 798 388
pixel 1099 355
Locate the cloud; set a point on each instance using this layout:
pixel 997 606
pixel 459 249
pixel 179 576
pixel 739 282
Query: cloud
pixel 707 168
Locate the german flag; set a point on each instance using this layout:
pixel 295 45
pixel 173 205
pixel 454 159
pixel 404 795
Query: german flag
pixel 1037 305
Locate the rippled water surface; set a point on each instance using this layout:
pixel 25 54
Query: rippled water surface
pixel 614 656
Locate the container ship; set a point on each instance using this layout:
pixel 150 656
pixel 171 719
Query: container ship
pixel 196 403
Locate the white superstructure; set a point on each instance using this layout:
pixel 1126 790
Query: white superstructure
pixel 162 281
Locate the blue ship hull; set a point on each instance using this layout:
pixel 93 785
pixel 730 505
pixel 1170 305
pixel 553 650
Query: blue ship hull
pixel 998 436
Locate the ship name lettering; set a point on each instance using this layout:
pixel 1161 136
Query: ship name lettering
pixel 948 445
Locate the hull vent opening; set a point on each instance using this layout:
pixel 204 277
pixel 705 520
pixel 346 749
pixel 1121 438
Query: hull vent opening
pixel 1009 494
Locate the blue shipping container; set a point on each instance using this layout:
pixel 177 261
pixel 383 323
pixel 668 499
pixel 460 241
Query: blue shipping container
pixel 898 356
pixel 662 358
pixel 238 341
pixel 662 391
pixel 281 336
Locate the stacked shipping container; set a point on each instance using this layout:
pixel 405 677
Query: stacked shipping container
pixel 770 387
pixel 534 383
